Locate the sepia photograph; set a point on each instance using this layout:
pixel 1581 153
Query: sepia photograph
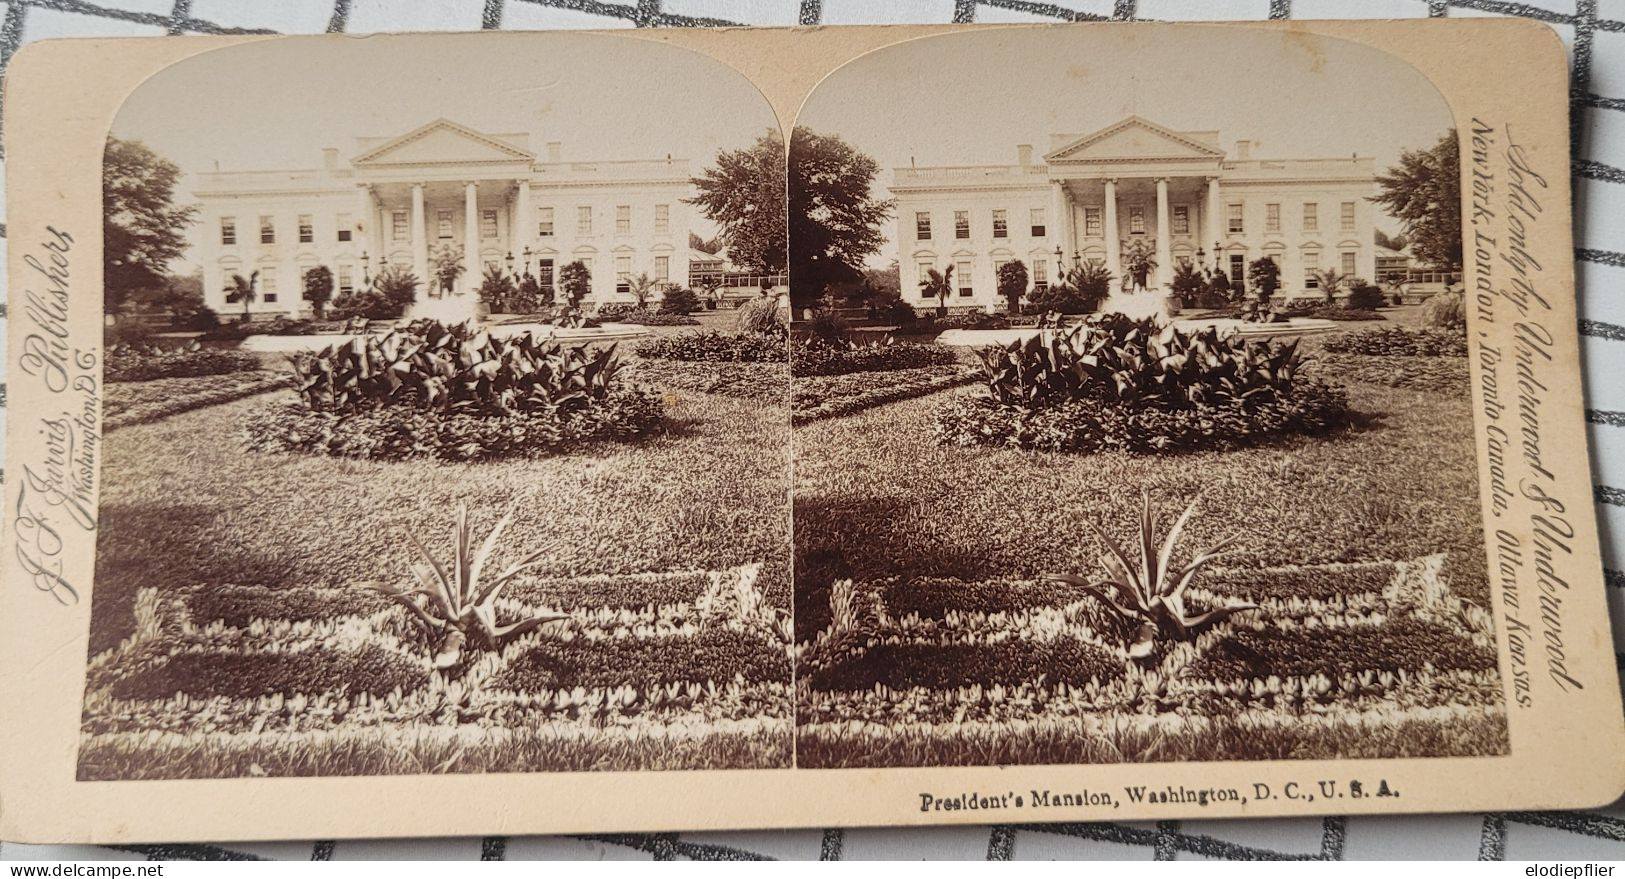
pixel 442 432
pixel 1131 394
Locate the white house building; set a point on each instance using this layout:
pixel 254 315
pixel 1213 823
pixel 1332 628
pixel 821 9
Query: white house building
pixel 1135 180
pixel 396 200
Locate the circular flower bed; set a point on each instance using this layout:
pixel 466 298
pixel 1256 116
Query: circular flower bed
pixel 1117 383
pixel 435 391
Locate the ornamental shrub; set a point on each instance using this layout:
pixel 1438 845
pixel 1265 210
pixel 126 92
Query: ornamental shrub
pixel 429 365
pixel 711 345
pixel 760 315
pixel 402 432
pixel 1091 425
pixel 430 390
pixel 1446 311
pixel 1364 296
pixel 1118 383
pixel 679 300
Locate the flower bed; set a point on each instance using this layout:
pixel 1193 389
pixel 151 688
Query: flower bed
pixel 950 666
pixel 830 396
pixel 1400 342
pixel 816 356
pixel 1335 312
pixel 641 659
pixel 127 403
pixel 1117 383
pixel 704 657
pixel 767 382
pixel 400 433
pixel 717 347
pixel 445 392
pixel 1095 425
pixel 139 363
pixel 930 660
pixel 236 331
pixel 206 674
pixel 647 318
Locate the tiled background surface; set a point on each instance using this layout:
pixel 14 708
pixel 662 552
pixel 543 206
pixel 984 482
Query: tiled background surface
pixel 1594 31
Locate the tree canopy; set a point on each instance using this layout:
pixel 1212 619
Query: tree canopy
pixel 1423 192
pixel 743 193
pixel 142 228
pixel 834 218
pixel 813 213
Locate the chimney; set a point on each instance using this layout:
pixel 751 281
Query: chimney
pixel 1024 154
pixel 553 149
pixel 1244 149
pixel 330 158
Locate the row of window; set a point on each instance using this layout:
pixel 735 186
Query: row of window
pixel 1236 218
pixel 545 222
pixel 400 224
pixel 306 229
pixel 1094 220
pixel 1001 224
pixel 1038 272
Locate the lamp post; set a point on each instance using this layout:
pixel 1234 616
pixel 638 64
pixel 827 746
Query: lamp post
pixel 527 259
pixel 509 261
pixel 366 263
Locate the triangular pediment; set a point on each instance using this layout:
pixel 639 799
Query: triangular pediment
pixel 1133 139
pixel 441 141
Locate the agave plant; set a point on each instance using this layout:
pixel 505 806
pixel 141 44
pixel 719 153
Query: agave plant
pixel 458 603
pixel 1147 594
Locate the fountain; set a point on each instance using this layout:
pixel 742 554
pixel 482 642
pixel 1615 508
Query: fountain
pixel 1140 304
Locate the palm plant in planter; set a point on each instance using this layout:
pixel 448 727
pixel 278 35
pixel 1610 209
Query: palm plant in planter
pixel 1139 261
pixel 1331 282
pixel 447 265
pixel 456 605
pixel 243 290
pixel 939 284
pixel 1147 594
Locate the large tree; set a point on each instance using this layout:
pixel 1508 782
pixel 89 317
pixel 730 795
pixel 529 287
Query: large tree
pixel 834 217
pixel 743 193
pixel 1423 192
pixel 142 228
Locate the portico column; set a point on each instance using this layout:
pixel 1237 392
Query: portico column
pixel 1114 260
pixel 1057 224
pixel 1213 215
pixel 525 225
pixel 1165 253
pixel 367 218
pixel 471 237
pixel 420 241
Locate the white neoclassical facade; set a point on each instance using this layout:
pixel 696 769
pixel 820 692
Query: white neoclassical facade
pixel 1179 192
pixel 398 200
